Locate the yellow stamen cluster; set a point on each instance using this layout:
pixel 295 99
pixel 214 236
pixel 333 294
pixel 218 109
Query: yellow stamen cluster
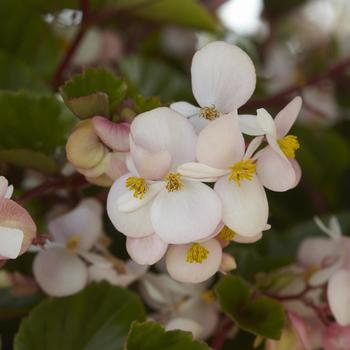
pixel 226 234
pixel 208 296
pixel 242 170
pixel 173 182
pixel 197 253
pixel 138 185
pixel 73 243
pixel 289 145
pixel 209 113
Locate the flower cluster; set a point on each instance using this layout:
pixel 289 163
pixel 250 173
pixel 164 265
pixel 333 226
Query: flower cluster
pixel 192 183
pixel 17 229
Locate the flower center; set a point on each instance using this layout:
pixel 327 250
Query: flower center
pixel 226 234
pixel 209 113
pixel 289 145
pixel 173 182
pixel 197 253
pixel 73 243
pixel 208 296
pixel 138 185
pixel 242 170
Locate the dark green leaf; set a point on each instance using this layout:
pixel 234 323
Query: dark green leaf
pixel 151 336
pixel 260 315
pixel 100 87
pixel 96 318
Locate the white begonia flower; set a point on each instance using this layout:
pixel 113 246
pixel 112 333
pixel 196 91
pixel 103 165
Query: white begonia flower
pixel 154 197
pixel 60 267
pixel 324 256
pixel 222 158
pixel 181 306
pixel 17 229
pixel 223 79
pixel 276 166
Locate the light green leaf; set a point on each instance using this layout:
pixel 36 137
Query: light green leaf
pixel 151 336
pixel 102 91
pixel 155 78
pixel 96 318
pixel 145 104
pixel 260 315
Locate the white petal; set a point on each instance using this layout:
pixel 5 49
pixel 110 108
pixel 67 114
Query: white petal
pixel 185 324
pixel 335 227
pixel 9 192
pixel 94 258
pixel 84 221
pixel 198 123
pixel 3 186
pixel 186 272
pixel 266 122
pixel 201 172
pixel 221 143
pixel 128 203
pixel 252 147
pixel 160 130
pixel 147 250
pixel 10 242
pixel 134 224
pixel 339 296
pixel 285 119
pixel 247 239
pixel 187 215
pixel 275 172
pixel 222 75
pixel 98 273
pixel 59 273
pixel 245 207
pixel 249 125
pixel 184 108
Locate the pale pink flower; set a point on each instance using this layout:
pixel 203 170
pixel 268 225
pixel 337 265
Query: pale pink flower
pixel 336 337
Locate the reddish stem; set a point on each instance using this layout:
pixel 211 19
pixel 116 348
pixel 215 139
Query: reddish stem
pixel 221 333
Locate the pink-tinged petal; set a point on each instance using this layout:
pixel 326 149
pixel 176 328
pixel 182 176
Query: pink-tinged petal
pixel 59 273
pixel 239 214
pixel 10 242
pixel 266 122
pixel 152 166
pixel 84 222
pixel 274 172
pixel 249 125
pixel 95 171
pixel 313 251
pixel 116 165
pixel 247 239
pixel 3 186
pixel 297 170
pixel 338 293
pixel 201 172
pixel 223 75
pixel 336 337
pixel 285 119
pixel 12 215
pixel 134 224
pixel 185 324
pixel 160 130
pixel 252 147
pixel 228 263
pixel 113 135
pixel 128 203
pixel 300 328
pixel 184 108
pixel 98 273
pixel 9 192
pixel 183 271
pixel 189 214
pixel 147 250
pixel 221 143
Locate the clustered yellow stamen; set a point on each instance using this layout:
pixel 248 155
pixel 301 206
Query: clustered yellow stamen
pixel 289 144
pixel 208 296
pixel 209 113
pixel 226 234
pixel 73 243
pixel 242 170
pixel 173 182
pixel 138 185
pixel 197 253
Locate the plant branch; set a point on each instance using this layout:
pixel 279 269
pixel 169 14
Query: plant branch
pixel 221 334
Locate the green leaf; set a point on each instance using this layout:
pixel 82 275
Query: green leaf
pixel 25 35
pixel 151 336
pixel 145 104
pixel 260 315
pixel 96 318
pixel 101 89
pixel 36 123
pixel 151 77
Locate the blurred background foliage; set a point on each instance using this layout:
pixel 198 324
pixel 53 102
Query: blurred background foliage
pixel 299 47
